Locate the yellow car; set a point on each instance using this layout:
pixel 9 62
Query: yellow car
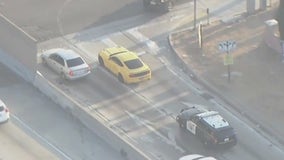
pixel 126 65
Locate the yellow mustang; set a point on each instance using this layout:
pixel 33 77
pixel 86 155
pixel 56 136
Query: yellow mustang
pixel 126 65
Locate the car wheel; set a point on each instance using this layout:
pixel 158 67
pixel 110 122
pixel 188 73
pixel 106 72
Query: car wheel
pixel 146 4
pixel 44 61
pixel 101 61
pixel 234 142
pixel 170 5
pixel 63 76
pixel 205 143
pixel 120 78
pixel 181 124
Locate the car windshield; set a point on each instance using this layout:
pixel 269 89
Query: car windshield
pixel 74 62
pixel 133 64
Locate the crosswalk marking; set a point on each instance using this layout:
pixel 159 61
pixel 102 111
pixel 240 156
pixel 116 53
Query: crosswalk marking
pixel 109 42
pixel 141 38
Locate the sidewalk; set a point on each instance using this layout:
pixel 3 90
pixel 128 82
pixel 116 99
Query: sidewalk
pixel 256 85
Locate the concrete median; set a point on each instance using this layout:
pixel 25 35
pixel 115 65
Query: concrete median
pixel 112 135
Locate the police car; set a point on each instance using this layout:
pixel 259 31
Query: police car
pixel 209 126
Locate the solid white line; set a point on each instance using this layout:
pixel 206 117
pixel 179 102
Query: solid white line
pixel 41 138
pixel 141 53
pixel 144 122
pixel 141 38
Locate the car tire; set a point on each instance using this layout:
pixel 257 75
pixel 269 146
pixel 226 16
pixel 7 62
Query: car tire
pixel 205 142
pixel 146 4
pixel 44 61
pixel 120 78
pixel 234 143
pixel 181 125
pixel 170 5
pixel 101 61
pixel 63 76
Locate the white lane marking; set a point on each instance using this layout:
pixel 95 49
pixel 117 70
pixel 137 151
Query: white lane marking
pixel 146 123
pixel 134 32
pixel 109 42
pixel 41 138
pixel 141 53
pixel 141 38
pixel 177 17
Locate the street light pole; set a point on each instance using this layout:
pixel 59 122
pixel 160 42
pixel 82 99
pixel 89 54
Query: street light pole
pixel 194 27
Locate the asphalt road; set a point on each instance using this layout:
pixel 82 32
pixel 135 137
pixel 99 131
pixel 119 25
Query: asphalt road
pixel 38 128
pixel 16 144
pixel 146 111
pixel 49 19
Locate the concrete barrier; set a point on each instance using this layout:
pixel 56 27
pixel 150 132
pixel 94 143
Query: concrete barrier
pixel 112 135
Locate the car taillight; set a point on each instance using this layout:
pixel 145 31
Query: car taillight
pixel 6 110
pixel 71 73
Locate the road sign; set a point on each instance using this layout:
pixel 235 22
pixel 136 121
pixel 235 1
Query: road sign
pixel 227 46
pixel 228 59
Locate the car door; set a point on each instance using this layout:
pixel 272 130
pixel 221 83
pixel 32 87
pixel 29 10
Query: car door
pixel 191 125
pixel 203 131
pixel 52 61
pixel 59 64
pixel 115 65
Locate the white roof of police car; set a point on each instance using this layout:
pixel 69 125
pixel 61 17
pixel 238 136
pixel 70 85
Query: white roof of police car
pixel 196 157
pixel 64 53
pixel 214 119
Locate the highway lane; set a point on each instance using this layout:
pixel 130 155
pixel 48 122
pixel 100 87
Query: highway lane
pixel 40 129
pixel 49 19
pixel 146 111
pixel 16 144
pixel 149 99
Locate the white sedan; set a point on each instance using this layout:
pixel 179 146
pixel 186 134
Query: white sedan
pixel 196 157
pixel 4 112
pixel 67 63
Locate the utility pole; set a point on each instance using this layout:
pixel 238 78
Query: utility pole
pixel 194 19
pixel 250 7
pixel 280 20
pixel 263 4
